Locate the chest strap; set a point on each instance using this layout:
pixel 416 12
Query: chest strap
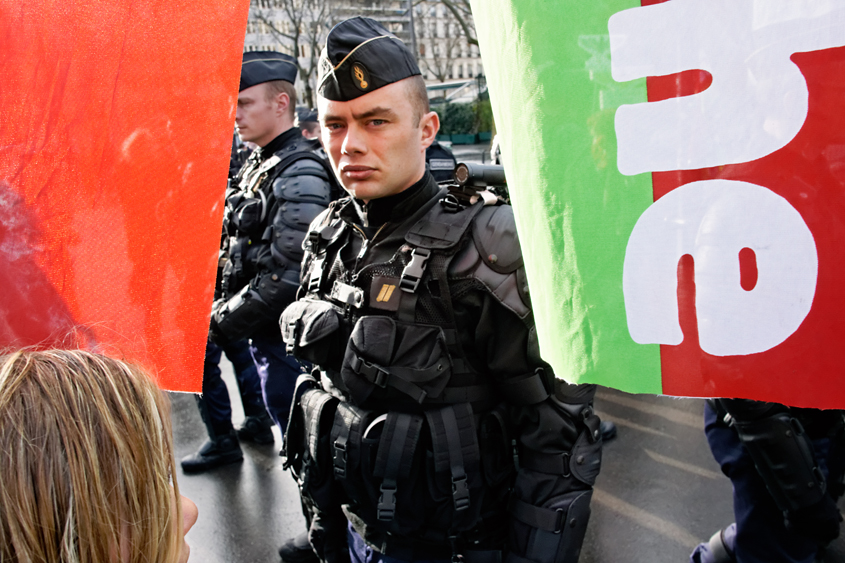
pixel 395 458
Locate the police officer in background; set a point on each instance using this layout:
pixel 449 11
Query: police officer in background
pixel 306 120
pixel 787 467
pixel 281 188
pixel 433 429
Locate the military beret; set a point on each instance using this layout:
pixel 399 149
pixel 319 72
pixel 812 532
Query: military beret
pixel 264 66
pixel 361 56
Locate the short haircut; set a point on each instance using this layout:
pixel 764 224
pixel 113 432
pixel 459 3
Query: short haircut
pixel 418 96
pixel 312 127
pixel 276 87
pixel 87 456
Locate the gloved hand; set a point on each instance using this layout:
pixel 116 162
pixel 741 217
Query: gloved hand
pixel 214 332
pixel 819 522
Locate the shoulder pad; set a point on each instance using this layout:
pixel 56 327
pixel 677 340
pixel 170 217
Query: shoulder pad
pixel 440 229
pixel 305 166
pixel 494 234
pixel 303 181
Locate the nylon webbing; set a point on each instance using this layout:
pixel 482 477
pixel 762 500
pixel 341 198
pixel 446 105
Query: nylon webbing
pixel 529 390
pixel 394 458
pixel 460 491
pixel 400 378
pixel 536 517
pixel 554 464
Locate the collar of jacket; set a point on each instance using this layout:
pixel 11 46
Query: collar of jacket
pixel 267 150
pixel 394 208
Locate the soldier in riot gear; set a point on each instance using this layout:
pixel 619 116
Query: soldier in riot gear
pixel 281 188
pixel 787 467
pixel 433 429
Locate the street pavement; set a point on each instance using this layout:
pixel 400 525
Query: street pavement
pixel 659 492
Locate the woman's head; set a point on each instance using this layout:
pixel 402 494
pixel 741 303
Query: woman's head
pixel 86 456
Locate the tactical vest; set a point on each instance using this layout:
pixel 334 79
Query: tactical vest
pixel 250 206
pixel 434 469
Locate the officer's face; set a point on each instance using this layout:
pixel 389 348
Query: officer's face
pixel 257 118
pixel 375 145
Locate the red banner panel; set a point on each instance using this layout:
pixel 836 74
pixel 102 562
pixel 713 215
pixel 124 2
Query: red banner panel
pixel 115 129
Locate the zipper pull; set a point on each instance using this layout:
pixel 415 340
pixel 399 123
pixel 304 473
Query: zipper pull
pixel 365 244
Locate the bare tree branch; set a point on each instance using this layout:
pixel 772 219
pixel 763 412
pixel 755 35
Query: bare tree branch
pixel 461 11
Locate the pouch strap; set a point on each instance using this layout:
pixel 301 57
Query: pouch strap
pixel 460 490
pixel 455 446
pixel 395 458
pixel 400 378
pixel 553 464
pixel 536 517
pixel 348 437
pixel 528 390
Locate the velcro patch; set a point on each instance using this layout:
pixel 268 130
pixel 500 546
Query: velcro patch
pixel 385 293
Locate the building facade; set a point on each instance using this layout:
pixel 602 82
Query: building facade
pixel 299 27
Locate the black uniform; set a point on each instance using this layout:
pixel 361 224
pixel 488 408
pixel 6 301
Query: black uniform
pixel 436 423
pixel 279 191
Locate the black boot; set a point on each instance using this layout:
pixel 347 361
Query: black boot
pixel 257 429
pixel 298 550
pixel 215 452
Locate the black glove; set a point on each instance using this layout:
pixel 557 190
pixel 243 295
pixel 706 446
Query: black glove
pixel 819 522
pixel 214 333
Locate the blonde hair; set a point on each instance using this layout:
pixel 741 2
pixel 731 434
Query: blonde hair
pixel 86 455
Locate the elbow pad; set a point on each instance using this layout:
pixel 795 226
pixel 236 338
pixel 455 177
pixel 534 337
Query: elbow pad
pixel 783 456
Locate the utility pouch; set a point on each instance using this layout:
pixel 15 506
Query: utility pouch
pixel 242 315
pixel 376 460
pixel 307 445
pixel 552 532
pixel 311 331
pixel 392 362
pixel 498 449
pixel 249 216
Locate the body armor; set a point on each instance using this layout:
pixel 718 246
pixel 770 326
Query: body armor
pixel 434 410
pixel 268 209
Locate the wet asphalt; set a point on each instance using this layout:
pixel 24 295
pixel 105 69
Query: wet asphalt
pixel 659 492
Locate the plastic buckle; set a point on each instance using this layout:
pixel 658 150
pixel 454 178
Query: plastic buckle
pixel 561 520
pixel 413 272
pixel 380 376
pixel 566 470
pixel 339 459
pixel 460 492
pixel 387 503
pixel 316 275
pixel 293 336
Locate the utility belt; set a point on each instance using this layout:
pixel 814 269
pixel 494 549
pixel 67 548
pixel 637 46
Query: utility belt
pixel 403 473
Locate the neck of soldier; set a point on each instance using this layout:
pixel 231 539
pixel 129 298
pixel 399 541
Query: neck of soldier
pixel 393 208
pixel 278 141
pixel 283 123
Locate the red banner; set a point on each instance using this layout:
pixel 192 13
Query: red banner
pixel 115 128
